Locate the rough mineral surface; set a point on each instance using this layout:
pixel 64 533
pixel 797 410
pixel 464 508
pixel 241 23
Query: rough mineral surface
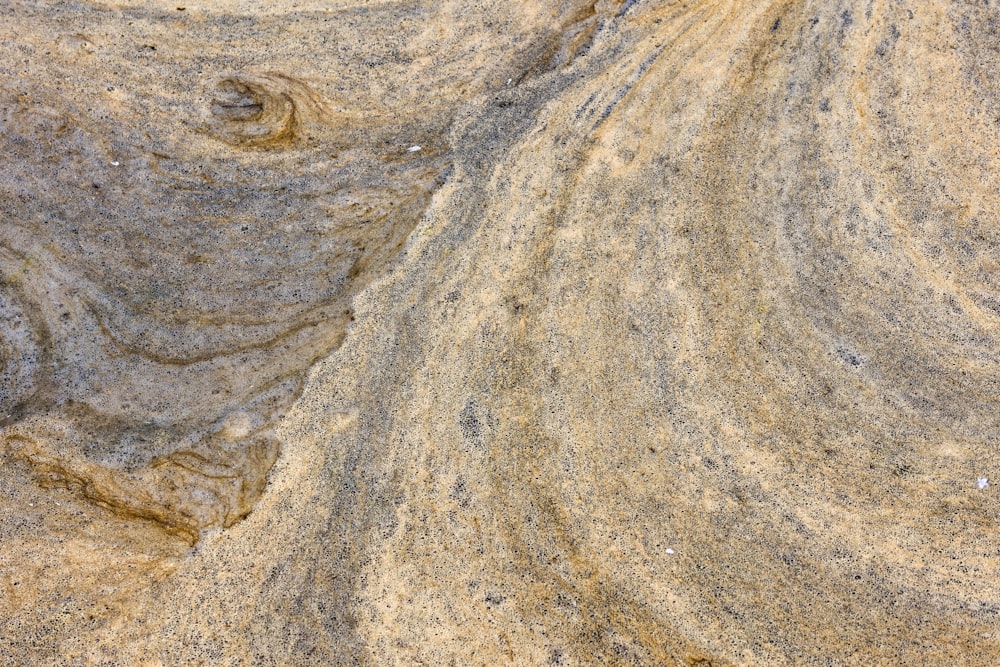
pixel 499 332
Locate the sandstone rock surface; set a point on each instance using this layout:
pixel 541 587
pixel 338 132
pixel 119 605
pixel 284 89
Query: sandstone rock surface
pixel 635 332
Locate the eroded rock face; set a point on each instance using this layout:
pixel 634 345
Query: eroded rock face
pixel 186 222
pixel 674 343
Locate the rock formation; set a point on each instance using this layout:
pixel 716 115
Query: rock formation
pixel 579 333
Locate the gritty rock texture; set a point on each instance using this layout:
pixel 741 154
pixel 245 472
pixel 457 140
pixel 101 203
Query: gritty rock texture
pixel 451 333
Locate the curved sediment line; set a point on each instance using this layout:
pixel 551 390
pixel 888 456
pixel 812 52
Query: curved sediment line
pixel 692 330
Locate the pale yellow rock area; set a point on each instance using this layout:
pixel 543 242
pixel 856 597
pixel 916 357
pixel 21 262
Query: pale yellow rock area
pixel 499 332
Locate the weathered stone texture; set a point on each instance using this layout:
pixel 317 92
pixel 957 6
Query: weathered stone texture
pixel 571 333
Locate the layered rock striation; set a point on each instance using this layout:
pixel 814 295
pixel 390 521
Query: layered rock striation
pixel 433 333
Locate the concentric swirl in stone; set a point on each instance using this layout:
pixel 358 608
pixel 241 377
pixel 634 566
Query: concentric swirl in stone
pixel 264 111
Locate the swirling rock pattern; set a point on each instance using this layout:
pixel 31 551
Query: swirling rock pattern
pixel 675 342
pixel 184 269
